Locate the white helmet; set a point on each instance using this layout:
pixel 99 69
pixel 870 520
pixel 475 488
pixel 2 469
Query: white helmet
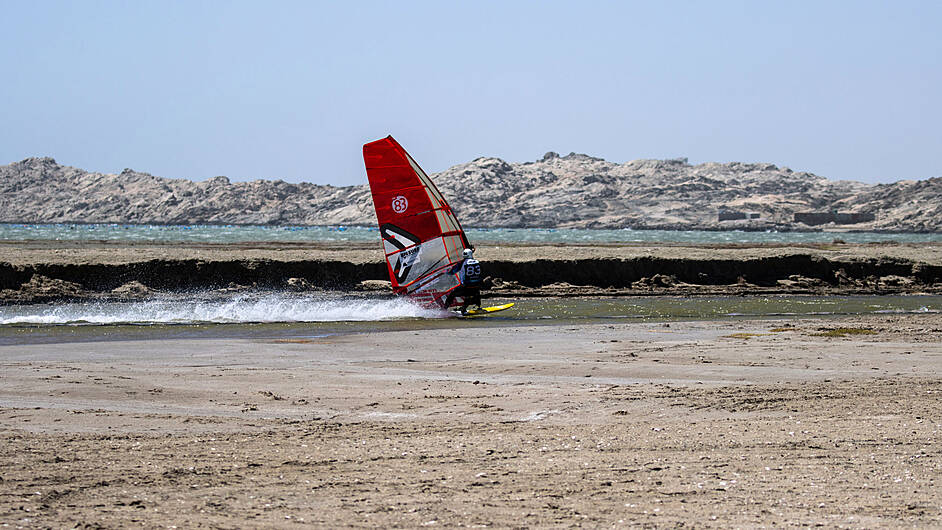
pixel 466 253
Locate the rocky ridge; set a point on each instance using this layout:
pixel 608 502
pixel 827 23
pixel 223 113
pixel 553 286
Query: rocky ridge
pixel 575 190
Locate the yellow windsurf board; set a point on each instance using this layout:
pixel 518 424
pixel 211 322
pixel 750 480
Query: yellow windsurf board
pixel 492 309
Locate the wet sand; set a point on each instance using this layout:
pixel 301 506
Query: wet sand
pixel 724 423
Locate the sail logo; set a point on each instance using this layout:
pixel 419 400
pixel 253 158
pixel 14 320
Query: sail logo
pixel 408 258
pixel 400 204
pixel 407 250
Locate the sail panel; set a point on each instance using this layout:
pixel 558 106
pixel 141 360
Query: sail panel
pixel 421 260
pixel 454 246
pixel 445 222
pixel 436 196
pixel 422 239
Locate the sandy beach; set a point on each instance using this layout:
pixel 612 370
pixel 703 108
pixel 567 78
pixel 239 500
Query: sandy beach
pixel 709 424
pixel 510 265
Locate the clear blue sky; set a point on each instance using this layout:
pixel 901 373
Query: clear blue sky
pixel 293 89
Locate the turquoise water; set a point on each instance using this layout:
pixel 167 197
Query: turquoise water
pixel 335 234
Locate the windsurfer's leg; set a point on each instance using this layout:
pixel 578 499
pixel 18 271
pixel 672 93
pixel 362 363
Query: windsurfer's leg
pixel 451 296
pixel 463 292
pixel 474 298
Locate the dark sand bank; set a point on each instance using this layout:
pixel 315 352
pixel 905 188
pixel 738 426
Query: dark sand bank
pixel 36 271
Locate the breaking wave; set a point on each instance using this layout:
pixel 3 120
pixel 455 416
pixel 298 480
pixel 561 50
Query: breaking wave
pixel 267 308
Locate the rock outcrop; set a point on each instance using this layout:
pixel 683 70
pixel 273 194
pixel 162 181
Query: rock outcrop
pixel 38 190
pixel 788 271
pixel 577 191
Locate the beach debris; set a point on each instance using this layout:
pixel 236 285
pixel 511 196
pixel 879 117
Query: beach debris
pixel 132 289
pixel 233 287
pixel 46 286
pixel 658 280
pixel 745 336
pixel 299 284
pixel 797 280
pixel 539 415
pixel 893 280
pixel 500 284
pixel 270 394
pixel 559 286
pixel 842 332
pixel 374 285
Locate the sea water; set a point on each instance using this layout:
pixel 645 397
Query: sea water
pixel 282 314
pixel 292 315
pixel 359 234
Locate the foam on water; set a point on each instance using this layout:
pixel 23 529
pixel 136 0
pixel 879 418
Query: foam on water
pixel 199 308
pixel 240 309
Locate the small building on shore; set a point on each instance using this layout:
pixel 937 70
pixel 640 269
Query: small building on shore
pixel 733 215
pixel 840 218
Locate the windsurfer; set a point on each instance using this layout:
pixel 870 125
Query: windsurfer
pixel 428 255
pixel 470 280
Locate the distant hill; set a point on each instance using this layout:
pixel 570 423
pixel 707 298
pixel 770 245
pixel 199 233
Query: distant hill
pixel 555 191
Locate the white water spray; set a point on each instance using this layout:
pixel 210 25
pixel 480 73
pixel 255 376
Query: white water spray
pixel 240 309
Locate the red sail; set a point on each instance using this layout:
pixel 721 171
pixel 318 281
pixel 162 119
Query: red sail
pixel 422 238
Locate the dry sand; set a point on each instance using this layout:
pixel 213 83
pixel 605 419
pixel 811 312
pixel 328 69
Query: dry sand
pixel 19 253
pixel 725 424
